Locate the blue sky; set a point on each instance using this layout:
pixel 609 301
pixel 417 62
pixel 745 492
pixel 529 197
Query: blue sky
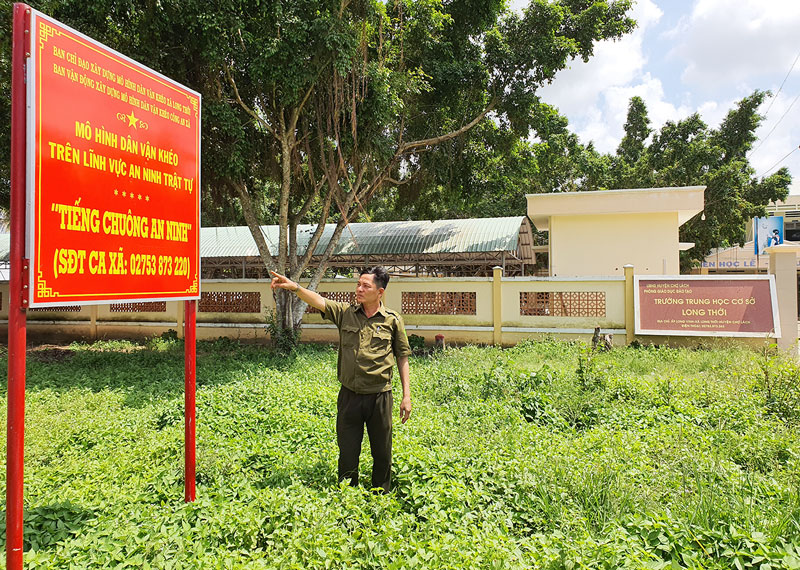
pixel 691 56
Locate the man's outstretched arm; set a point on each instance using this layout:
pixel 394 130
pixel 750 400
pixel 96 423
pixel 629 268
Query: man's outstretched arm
pixel 311 297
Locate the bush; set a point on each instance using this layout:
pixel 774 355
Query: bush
pixel 780 387
pixel 417 343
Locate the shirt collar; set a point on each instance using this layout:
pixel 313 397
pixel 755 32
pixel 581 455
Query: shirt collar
pixel 381 310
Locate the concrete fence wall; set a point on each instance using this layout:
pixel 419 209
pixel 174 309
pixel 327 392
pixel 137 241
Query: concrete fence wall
pixel 486 310
pixel 482 310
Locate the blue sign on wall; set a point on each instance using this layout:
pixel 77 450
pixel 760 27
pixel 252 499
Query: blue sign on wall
pixel 767 232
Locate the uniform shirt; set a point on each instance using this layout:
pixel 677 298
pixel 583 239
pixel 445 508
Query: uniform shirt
pixel 368 347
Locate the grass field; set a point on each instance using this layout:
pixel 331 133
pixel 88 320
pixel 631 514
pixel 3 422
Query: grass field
pixel 541 456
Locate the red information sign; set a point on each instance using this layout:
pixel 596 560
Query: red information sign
pixel 692 305
pixel 114 175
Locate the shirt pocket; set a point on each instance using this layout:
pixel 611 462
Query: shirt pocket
pixel 381 340
pixel 350 336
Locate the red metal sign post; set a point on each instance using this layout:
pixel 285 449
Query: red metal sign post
pixel 107 153
pixel 18 295
pixel 189 396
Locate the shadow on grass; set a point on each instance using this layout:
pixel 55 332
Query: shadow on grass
pixel 47 525
pixel 269 472
pixel 145 372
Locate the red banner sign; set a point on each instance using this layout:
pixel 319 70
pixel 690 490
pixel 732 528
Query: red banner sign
pixel 113 175
pixel 706 306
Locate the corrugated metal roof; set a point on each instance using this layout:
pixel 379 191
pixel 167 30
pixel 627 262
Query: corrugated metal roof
pixel 5 247
pixel 376 238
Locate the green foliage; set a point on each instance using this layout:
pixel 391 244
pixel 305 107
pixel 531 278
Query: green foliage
pixel 6 16
pixel 637 130
pixel 417 343
pixel 165 342
pixel 688 152
pixel 780 386
pixel 284 339
pixel 657 458
pixel 587 373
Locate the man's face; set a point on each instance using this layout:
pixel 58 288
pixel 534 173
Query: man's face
pixel 367 292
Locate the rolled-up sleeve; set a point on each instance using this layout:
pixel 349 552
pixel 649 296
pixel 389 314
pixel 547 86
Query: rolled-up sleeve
pixel 334 311
pixel 400 345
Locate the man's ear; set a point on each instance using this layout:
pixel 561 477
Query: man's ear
pixel 381 291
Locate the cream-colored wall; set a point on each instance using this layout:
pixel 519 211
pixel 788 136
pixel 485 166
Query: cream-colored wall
pixel 244 285
pixel 601 244
pixel 477 329
pixel 394 294
pixel 481 328
pixel 104 314
pixel 614 289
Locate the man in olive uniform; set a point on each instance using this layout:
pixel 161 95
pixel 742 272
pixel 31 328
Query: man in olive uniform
pixel 372 339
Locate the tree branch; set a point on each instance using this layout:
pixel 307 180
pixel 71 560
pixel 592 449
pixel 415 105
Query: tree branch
pixel 315 238
pixel 244 106
pixel 252 223
pixel 414 145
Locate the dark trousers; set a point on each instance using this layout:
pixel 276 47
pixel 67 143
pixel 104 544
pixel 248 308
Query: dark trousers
pixel 354 411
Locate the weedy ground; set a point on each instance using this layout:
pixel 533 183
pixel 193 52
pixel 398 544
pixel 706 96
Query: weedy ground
pixel 547 455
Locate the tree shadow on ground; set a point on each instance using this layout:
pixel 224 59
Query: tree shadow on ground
pixel 144 373
pixel 316 473
pixel 45 526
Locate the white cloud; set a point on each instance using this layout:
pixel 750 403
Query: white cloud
pixel 579 88
pixel 595 95
pixel 604 122
pixel 728 47
pixel 725 43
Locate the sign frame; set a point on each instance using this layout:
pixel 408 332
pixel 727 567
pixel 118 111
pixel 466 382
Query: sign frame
pixel 19 297
pixel 150 293
pixel 775 333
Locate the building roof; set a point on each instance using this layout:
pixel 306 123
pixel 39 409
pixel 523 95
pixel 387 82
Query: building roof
pixel 414 238
pixel 687 201
pixel 377 238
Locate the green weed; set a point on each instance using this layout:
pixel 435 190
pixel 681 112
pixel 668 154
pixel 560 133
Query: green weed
pixel 635 458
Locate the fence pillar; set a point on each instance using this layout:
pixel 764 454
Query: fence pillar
pixel 783 265
pixel 629 308
pixel 93 321
pixel 179 317
pixel 497 305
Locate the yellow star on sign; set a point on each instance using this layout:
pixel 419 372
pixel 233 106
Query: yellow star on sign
pixel 132 120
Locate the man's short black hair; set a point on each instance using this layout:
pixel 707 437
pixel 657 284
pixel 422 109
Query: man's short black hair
pixel 379 275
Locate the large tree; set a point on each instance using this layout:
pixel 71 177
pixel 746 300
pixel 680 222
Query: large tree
pixel 377 86
pixel 495 170
pixel 313 107
pixel 689 152
pixel 488 171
